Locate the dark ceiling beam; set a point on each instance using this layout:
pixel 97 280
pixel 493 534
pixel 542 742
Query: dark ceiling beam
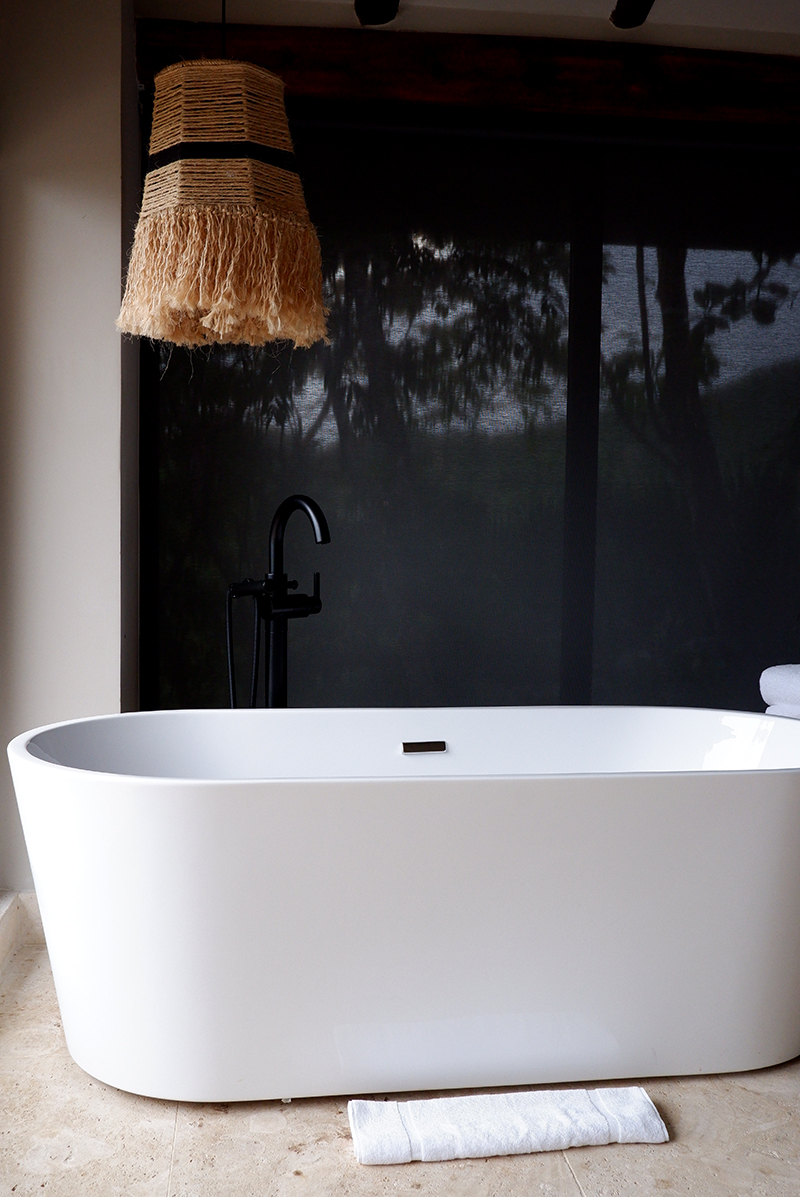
pixel 530 75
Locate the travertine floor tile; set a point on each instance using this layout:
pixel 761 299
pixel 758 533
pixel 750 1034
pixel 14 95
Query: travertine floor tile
pixel 273 1150
pixel 61 1131
pixel 725 1140
pixel 782 1083
pixel 77 1141
pixel 30 1021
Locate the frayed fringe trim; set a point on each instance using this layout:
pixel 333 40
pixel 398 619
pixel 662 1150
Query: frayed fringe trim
pixel 202 276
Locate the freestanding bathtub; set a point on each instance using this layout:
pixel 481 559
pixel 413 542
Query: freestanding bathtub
pixel 259 904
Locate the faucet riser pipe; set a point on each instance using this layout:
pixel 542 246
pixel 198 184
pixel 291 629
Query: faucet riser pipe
pixel 277 692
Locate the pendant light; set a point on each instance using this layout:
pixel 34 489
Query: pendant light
pixel 224 250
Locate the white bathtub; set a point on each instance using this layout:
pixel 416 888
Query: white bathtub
pixel 259 904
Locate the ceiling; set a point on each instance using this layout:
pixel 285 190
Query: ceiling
pixel 760 26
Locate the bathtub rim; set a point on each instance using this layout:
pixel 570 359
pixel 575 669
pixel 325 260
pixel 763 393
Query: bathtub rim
pixel 18 748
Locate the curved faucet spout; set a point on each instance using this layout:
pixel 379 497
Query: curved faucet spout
pixel 283 606
pixel 280 520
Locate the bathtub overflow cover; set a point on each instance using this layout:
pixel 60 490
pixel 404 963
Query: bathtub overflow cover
pixel 424 746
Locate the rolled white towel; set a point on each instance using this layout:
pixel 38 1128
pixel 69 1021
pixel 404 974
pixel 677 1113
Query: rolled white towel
pixel 785 709
pixel 460 1128
pixel 780 685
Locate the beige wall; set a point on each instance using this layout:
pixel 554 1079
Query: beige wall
pixel 60 197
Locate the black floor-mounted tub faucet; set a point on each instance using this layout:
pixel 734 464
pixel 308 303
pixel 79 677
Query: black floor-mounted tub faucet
pixel 274 604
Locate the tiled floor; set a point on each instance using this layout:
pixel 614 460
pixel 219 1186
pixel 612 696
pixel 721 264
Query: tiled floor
pixel 63 1134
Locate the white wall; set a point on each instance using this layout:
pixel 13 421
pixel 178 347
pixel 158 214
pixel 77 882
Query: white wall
pixel 60 202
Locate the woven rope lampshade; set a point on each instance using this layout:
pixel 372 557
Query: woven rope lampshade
pixel 224 251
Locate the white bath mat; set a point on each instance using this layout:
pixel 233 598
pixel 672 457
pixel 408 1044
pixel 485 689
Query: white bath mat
pixel 459 1128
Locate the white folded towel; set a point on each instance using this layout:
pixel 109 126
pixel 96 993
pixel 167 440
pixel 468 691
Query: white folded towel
pixel 460 1128
pixel 780 686
pixel 785 709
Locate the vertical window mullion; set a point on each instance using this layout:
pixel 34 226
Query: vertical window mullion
pixel 149 527
pixel 580 471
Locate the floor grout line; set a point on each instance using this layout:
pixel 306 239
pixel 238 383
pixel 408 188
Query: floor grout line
pixel 172 1149
pixel 572 1174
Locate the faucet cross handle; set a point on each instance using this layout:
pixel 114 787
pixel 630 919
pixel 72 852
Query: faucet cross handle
pixel 297 606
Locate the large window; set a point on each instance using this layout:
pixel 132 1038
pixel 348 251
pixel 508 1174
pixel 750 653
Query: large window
pixel 697 533
pixel 555 433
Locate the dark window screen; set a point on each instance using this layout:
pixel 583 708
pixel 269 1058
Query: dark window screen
pixel 698 568
pixel 431 431
pixel 485 548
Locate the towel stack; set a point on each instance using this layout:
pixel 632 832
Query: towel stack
pixel 780 689
pixel 459 1128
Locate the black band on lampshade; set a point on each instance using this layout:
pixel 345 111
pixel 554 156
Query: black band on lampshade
pixel 283 159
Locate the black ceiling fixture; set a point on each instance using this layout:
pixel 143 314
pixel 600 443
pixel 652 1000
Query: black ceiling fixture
pixel 628 14
pixel 376 12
